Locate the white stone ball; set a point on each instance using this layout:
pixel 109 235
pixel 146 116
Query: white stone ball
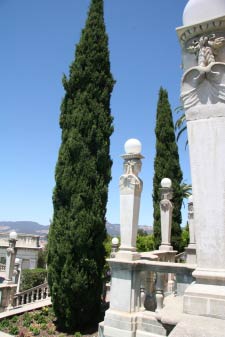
pixel 166 183
pixel 17 260
pixel 197 11
pixel 132 146
pixel 115 241
pixel 190 199
pixel 13 235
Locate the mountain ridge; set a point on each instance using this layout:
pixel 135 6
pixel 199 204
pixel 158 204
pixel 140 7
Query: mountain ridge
pixel 32 227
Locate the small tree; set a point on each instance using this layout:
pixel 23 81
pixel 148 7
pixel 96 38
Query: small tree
pixel 166 165
pixel 76 255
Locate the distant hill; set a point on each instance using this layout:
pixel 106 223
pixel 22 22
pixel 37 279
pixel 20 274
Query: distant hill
pixel 114 229
pixel 31 227
pixel 26 227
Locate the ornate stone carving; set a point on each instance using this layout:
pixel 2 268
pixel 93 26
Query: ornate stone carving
pixel 165 205
pixel 206 48
pixel 130 180
pixel 187 33
pixel 203 85
pixel 190 211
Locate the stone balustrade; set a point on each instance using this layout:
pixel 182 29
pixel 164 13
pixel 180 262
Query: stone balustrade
pixel 23 240
pixel 32 295
pixel 2 267
pixel 150 281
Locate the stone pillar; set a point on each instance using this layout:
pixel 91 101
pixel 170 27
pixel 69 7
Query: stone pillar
pixel 191 249
pixel 10 257
pixel 203 97
pixel 166 210
pixel 127 293
pixel 130 195
pixel 115 246
pixel 7 292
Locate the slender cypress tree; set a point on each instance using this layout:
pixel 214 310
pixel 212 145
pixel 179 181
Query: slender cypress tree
pixel 166 165
pixel 83 172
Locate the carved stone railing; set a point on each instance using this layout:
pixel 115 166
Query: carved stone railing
pixel 152 281
pixel 181 257
pixel 2 267
pixel 161 279
pixel 32 295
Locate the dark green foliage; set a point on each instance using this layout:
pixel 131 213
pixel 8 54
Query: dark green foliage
pixel 185 237
pixel 166 165
pixel 32 277
pixel 83 172
pixel 42 258
pixel 145 243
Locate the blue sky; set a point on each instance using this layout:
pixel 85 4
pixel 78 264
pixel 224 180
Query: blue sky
pixel 38 40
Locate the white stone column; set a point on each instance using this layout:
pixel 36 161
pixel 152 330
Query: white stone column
pixel 191 249
pixel 10 258
pixel 130 195
pixel 166 210
pixel 203 97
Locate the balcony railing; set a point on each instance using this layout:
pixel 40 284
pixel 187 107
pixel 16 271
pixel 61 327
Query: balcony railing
pixel 32 295
pixel 154 280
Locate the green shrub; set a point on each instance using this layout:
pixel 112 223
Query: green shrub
pixel 145 243
pixel 32 277
pixel 77 334
pixel 43 326
pixel 36 331
pixel 27 320
pixel 14 319
pixel 13 330
pixel 4 324
pixel 45 311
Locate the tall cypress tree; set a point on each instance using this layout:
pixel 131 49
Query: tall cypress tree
pixel 83 172
pixel 166 165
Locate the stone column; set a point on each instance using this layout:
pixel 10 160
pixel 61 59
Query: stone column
pixel 130 195
pixel 191 249
pixel 10 257
pixel 166 210
pixel 203 96
pixel 127 293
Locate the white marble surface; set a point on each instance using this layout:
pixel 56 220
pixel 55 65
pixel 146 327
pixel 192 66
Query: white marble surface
pixel 202 10
pixel 207 155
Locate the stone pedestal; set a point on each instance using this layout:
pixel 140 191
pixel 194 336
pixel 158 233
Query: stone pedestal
pixel 130 196
pixel 166 210
pixel 191 249
pixel 7 292
pixel 203 47
pixel 125 299
pixel 191 254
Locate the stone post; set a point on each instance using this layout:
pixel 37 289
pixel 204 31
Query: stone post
pixel 115 246
pixel 166 210
pixel 130 195
pixel 203 96
pixel 8 288
pixel 191 249
pixel 10 258
pixel 127 293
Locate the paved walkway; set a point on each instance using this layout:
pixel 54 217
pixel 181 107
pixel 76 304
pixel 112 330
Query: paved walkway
pixel 24 308
pixel 3 334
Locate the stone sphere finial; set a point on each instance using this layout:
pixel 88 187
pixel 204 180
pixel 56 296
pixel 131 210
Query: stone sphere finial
pixel 197 11
pixel 132 146
pixel 115 241
pixel 13 235
pixel 190 199
pixel 166 183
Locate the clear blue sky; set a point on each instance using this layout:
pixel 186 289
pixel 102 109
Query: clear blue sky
pixel 38 40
